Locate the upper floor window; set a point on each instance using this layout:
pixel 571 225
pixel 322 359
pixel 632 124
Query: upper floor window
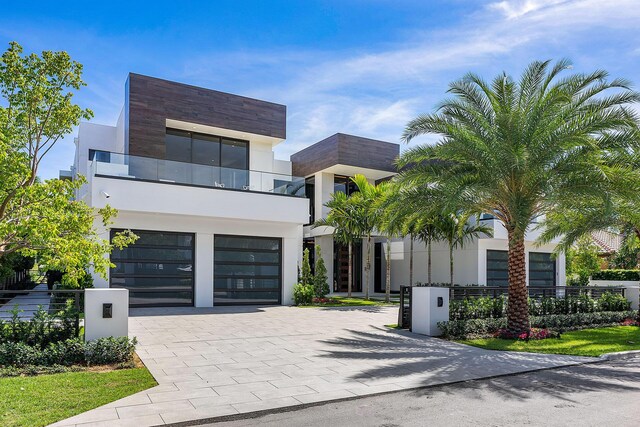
pixel 344 184
pixel 191 147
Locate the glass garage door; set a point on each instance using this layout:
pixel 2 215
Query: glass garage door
pixel 157 269
pixel 542 269
pixel 247 270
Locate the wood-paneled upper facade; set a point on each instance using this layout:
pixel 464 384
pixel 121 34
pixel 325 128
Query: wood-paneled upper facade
pixel 347 150
pixel 151 101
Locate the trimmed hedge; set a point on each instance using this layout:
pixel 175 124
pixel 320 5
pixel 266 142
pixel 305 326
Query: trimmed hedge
pixel 43 328
pixel 495 308
pixel 473 328
pixel 70 352
pixel 622 275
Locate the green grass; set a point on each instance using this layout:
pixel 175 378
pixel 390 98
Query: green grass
pixel 351 302
pixel 587 342
pixel 44 399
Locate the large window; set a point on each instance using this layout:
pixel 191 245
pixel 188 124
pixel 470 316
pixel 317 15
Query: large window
pixel 310 191
pixel 247 270
pixel 542 269
pixel 157 269
pixel 497 268
pixel 344 184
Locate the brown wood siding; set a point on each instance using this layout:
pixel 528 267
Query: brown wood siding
pixel 150 101
pixel 342 149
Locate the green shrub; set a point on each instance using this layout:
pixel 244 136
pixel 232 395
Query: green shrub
pixel 109 350
pixel 303 294
pixel 478 308
pixel 42 329
pixel 306 277
pixel 320 279
pixel 622 275
pixel 459 329
pixel 67 353
pixel 610 301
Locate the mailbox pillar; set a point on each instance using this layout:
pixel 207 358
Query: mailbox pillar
pixel 106 313
pixel 429 305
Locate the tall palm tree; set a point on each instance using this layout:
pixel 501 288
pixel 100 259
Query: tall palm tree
pixel 521 149
pixel 457 230
pixel 341 218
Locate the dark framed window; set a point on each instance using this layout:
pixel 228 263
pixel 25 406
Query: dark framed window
pixel 542 269
pixel 310 191
pixel 247 270
pixel 203 149
pixel 344 184
pixel 157 269
pixel 497 268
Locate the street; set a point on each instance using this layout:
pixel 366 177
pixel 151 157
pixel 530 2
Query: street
pixel 588 395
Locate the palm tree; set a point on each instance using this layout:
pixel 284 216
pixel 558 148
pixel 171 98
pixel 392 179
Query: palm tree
pixel 457 231
pixel 345 231
pixel 523 149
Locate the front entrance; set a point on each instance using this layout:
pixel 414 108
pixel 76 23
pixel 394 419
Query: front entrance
pixel 247 270
pixel 341 267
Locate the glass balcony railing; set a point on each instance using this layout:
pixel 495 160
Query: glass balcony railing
pixel 168 171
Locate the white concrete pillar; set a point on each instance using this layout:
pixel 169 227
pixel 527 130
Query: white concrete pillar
pixel 291 258
pixel 203 274
pixel 429 305
pixel 106 313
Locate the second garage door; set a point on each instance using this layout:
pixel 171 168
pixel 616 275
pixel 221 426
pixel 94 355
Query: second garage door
pixel 247 270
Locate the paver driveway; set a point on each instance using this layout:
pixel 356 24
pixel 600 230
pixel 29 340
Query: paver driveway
pixel 223 361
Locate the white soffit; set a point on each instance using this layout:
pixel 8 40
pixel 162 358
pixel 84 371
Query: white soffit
pixel 354 170
pixel 212 130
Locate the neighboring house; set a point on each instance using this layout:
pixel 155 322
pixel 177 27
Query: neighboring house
pixel 608 244
pixel 222 222
pixel 192 172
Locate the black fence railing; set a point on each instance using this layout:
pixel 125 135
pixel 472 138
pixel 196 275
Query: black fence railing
pixel 25 304
pixel 404 314
pixel 17 280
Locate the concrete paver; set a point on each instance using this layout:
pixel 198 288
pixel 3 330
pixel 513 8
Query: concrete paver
pixel 222 361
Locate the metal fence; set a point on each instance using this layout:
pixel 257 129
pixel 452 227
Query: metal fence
pixel 26 303
pixel 17 280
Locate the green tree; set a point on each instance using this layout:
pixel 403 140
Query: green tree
pixel 320 278
pixel 457 230
pixel 526 149
pixel 305 275
pixel 341 217
pixel 582 260
pixel 41 217
pixel 627 255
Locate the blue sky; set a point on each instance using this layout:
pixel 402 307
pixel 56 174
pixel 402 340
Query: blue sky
pixel 353 66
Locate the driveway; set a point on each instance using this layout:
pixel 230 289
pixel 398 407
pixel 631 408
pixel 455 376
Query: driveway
pixel 225 361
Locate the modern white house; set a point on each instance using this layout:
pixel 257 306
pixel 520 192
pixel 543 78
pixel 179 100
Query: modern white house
pixel 222 222
pixel 192 172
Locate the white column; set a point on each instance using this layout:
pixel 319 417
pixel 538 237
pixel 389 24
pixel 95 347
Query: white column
pixel 291 258
pixel 203 274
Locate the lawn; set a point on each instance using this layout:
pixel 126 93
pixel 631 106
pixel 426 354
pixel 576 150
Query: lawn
pixel 350 302
pixel 587 342
pixel 44 399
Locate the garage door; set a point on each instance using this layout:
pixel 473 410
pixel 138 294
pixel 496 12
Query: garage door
pixel 157 269
pixel 247 270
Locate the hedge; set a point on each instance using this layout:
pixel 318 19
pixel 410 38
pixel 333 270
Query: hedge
pixel 472 328
pixel 70 352
pixel 622 275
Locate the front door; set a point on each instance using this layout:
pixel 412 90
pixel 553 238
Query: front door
pixel 341 267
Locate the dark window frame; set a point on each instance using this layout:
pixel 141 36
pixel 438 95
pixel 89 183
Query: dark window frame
pixel 551 261
pixel 220 143
pixel 113 275
pixel 487 269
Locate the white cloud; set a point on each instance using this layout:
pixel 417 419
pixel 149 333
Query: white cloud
pixel 517 8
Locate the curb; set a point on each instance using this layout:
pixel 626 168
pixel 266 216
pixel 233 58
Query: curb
pixel 621 355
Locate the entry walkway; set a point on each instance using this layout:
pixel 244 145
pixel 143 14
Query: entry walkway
pixel 224 361
pixel 27 304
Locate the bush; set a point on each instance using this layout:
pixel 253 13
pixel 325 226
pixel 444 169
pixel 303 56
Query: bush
pixel 622 275
pixel 42 329
pixel 303 294
pixel 473 328
pixel 67 353
pixel 478 308
pixel 110 350
pixel 320 279
pixel 610 301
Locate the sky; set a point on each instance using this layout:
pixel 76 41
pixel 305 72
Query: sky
pixel 364 67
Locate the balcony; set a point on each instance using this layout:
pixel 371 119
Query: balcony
pixel 147 169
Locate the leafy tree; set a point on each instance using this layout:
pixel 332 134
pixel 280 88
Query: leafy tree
pixel 341 218
pixel 320 279
pixel 525 149
pixel 627 255
pixel 41 217
pixel 582 260
pixel 456 230
pixel 306 277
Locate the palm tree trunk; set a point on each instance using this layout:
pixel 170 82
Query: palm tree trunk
pixel 429 261
pixel 368 268
pixel 518 307
pixel 451 264
pixel 410 260
pixel 350 272
pixel 387 289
